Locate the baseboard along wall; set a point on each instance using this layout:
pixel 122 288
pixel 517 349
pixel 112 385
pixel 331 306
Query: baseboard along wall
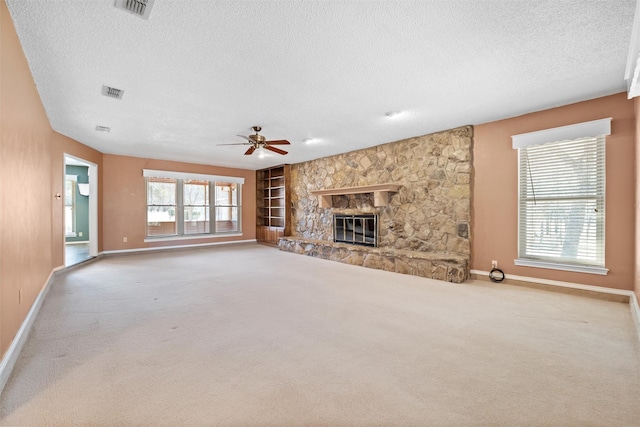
pixel 11 356
pixel 635 312
pixel 608 294
pixel 161 248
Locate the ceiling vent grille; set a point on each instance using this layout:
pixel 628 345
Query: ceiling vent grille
pixel 141 8
pixel 103 128
pixel 112 92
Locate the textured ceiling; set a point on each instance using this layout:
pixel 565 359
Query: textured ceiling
pixel 198 73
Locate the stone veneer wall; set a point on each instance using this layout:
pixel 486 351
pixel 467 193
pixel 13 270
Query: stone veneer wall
pixel 429 214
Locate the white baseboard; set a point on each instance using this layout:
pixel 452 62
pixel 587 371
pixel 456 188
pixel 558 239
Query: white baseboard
pixel 633 301
pixel 160 248
pixel 635 312
pixel 570 285
pixel 11 356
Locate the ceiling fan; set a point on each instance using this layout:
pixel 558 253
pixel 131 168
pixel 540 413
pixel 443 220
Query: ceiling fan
pixel 258 141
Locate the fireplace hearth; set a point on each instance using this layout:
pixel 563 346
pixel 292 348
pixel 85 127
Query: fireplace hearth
pixel 359 229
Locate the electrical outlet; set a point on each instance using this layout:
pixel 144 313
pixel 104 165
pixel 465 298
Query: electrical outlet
pixel 124 239
pixel 494 264
pixel 80 233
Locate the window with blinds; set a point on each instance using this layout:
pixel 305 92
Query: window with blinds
pixel 562 202
pixel 561 211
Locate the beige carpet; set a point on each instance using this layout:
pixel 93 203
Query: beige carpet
pixel 248 335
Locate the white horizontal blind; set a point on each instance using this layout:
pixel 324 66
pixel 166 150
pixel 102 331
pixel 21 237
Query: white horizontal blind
pixel 562 202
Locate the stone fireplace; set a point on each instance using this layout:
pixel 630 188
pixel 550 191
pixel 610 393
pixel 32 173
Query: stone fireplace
pixel 420 191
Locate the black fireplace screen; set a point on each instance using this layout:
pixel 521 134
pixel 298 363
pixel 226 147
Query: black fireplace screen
pixel 356 229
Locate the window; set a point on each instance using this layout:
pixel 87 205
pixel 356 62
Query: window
pixel 70 184
pixel 161 207
pixel 179 204
pixel 562 198
pixel 226 206
pixel 195 196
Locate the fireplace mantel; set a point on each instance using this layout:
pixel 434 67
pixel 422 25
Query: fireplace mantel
pixel 380 193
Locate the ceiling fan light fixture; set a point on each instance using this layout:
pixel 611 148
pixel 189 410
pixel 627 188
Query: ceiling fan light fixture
pixel 258 138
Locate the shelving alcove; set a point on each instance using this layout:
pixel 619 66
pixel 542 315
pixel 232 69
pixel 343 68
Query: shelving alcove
pixel 273 206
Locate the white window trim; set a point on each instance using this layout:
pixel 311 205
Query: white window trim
pixel 185 176
pixel 594 128
pixel 601 127
pixel 191 237
pixel 151 173
pixel 564 267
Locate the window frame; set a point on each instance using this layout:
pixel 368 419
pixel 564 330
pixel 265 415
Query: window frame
pixel 70 214
pixel 206 205
pixel 180 179
pixel 231 206
pixel 163 205
pixel 593 132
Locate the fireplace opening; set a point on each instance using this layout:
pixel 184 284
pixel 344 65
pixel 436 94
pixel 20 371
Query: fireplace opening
pixel 356 229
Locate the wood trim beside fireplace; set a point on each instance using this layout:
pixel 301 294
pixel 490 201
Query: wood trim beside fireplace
pixel 380 193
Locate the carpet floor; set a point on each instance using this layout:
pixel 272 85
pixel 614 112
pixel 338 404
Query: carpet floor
pixel 247 335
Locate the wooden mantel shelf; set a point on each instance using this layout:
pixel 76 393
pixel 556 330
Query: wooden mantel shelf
pixel 380 193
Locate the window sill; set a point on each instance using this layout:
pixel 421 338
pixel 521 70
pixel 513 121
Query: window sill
pixel 195 236
pixel 564 267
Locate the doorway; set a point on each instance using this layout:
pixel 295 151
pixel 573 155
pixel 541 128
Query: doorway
pixel 80 210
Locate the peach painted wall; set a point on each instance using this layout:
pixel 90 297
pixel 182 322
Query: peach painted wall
pixel 25 188
pixel 124 201
pixel 636 103
pixel 495 193
pixel 32 170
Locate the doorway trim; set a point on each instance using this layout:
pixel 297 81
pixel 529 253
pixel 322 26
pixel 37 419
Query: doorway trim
pixel 69 159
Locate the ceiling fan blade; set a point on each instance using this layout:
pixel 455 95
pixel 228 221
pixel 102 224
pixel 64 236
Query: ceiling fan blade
pixel 250 151
pixel 278 142
pixel 237 143
pixel 275 150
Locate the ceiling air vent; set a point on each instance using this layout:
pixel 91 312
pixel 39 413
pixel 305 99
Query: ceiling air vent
pixel 141 8
pixel 112 92
pixel 103 128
